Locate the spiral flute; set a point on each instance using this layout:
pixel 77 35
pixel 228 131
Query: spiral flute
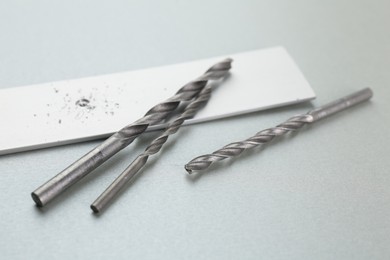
pixel 155 146
pixel 265 136
pixel 82 167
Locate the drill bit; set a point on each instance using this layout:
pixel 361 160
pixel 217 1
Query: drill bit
pixel 155 146
pixel 265 136
pixel 125 136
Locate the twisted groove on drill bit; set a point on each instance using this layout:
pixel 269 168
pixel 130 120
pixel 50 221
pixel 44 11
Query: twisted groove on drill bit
pixel 159 112
pixel 125 136
pixel 236 148
pixel 155 146
pixel 295 123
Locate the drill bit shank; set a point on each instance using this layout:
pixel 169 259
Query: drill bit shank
pixel 265 136
pixel 125 136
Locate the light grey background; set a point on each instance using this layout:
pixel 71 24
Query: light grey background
pixel 322 194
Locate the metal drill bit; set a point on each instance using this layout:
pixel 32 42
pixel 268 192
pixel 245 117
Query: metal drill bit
pixel 125 136
pixel 155 146
pixel 265 136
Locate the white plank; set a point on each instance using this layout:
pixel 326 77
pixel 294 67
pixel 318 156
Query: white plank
pixel 45 115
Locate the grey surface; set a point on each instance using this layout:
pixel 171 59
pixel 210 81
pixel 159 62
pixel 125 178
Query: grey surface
pixel 321 194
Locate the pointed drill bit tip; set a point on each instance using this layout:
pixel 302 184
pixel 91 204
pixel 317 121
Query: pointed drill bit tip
pixel 189 171
pixel 194 166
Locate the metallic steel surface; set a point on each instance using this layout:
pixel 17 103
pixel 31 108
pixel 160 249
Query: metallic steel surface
pixel 125 136
pixel 155 146
pixel 265 136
